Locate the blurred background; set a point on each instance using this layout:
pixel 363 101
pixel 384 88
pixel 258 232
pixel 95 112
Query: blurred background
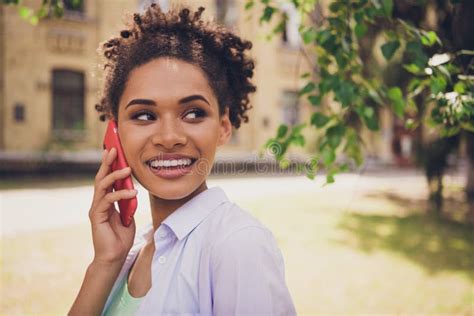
pixel 378 240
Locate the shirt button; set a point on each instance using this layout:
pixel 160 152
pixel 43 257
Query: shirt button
pixel 162 260
pixel 163 234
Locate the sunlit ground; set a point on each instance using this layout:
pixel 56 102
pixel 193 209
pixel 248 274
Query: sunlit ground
pixel 363 245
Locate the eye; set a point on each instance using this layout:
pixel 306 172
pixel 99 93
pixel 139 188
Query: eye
pixel 195 114
pixel 143 116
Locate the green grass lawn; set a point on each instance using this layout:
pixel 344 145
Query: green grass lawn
pixel 375 255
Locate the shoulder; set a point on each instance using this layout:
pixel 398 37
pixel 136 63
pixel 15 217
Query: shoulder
pixel 247 272
pixel 230 217
pixel 232 223
pixel 238 234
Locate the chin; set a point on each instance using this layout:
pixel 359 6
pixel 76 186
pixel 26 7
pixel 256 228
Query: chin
pixel 173 190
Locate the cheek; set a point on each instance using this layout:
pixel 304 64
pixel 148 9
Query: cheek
pixel 131 143
pixel 205 136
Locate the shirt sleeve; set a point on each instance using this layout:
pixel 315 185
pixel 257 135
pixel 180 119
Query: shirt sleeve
pixel 248 275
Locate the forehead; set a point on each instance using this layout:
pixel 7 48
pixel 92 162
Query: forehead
pixel 167 78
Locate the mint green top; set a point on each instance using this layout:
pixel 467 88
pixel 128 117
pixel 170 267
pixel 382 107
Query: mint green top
pixel 123 304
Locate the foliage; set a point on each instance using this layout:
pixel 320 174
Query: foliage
pixel 357 93
pixel 48 8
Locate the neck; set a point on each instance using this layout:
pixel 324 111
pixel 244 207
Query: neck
pixel 162 208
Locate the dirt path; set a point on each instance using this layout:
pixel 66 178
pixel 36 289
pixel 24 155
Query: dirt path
pixel 27 210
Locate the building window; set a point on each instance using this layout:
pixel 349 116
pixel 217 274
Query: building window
pixel 74 9
pixel 68 100
pixel 290 35
pixel 74 6
pixel 290 108
pixel 227 12
pixel 19 112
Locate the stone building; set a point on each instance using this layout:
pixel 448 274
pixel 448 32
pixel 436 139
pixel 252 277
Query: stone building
pixel 50 77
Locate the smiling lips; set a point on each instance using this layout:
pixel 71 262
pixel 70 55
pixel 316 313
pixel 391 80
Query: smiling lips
pixel 170 166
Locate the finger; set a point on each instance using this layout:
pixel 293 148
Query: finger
pixel 108 158
pixel 106 183
pixel 108 201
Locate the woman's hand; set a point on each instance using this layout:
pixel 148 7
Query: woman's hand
pixel 112 241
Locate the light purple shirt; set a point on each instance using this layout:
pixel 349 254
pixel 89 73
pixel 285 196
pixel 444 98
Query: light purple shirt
pixel 212 258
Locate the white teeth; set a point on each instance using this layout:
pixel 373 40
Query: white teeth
pixel 170 163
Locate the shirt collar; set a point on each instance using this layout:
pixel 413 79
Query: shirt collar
pixel 188 216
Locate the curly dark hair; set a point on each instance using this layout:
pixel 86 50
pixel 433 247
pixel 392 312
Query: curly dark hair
pixel 187 37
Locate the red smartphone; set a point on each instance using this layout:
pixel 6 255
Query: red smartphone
pixel 127 207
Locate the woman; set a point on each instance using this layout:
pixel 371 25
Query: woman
pixel 176 85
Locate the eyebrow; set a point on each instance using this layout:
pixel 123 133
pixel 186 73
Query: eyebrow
pixel 182 101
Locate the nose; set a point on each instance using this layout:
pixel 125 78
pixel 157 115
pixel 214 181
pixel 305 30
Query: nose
pixel 168 134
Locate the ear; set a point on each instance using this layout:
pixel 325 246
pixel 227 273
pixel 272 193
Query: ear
pixel 225 129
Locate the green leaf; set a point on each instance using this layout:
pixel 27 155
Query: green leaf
pixel 398 104
pixel 249 5
pixel 414 46
pixel 389 49
pixel 58 9
pixel 344 167
pixel 334 7
pixel 412 68
pixel 42 12
pixel 334 135
pixel 25 12
pixel 298 128
pixel 387 6
pixel 413 84
pixel 370 12
pixel 267 14
pixel 329 155
pixel 345 93
pixel 309 36
pixel 341 60
pixel 460 87
pixel 279 28
pixel 360 30
pixel 319 119
pixel 323 36
pixel 284 163
pixel 429 38
pixel 34 20
pixel 369 118
pixel 298 140
pixel 352 147
pixel 368 111
pixel 359 17
pixel 310 86
pixel 374 95
pixel 437 84
pixel 444 71
pixel 329 178
pixel 282 130
pixel 315 100
pixel 449 131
